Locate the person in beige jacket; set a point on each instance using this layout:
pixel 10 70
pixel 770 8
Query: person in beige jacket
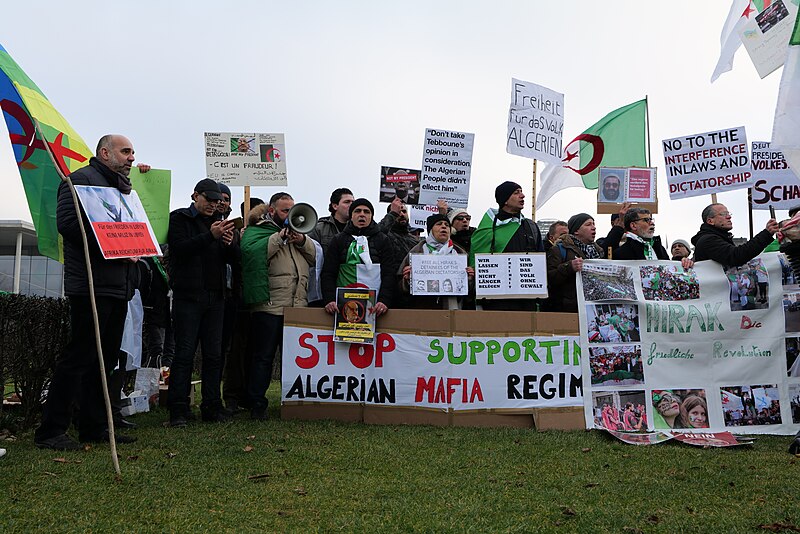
pixel 275 266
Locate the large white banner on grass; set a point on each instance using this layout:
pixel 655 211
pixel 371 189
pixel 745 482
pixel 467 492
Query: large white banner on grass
pixel 459 373
pixel 697 350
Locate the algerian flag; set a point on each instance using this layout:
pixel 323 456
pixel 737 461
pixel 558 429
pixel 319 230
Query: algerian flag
pixel 492 234
pixel 786 127
pixel 729 41
pixel 617 140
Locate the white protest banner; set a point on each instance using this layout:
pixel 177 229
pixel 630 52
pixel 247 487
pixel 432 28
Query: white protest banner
pixel 246 158
pixel 521 275
pixel 462 373
pixel 707 163
pixel 399 182
pixel 775 184
pixel 701 350
pixel 535 122
pixel 418 215
pixel 439 274
pixel 446 167
pixel 118 221
pixel 765 36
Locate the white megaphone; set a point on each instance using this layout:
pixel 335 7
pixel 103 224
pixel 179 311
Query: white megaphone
pixel 302 218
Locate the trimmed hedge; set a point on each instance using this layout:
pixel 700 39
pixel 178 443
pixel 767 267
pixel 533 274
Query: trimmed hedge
pixel 33 331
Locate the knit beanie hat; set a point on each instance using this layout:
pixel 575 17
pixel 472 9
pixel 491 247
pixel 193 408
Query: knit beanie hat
pixel 361 202
pixel 455 212
pixel 682 242
pixel 224 189
pixel 504 191
pixel 576 221
pixel 433 219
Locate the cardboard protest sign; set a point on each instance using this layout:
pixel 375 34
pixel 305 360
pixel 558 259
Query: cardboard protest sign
pixel 521 275
pixel 636 185
pixel 246 158
pixel 118 221
pixel 154 189
pixel 701 350
pixel 707 163
pixel 354 321
pixel 535 122
pixel 774 183
pixel 418 215
pixel 765 36
pixel 433 371
pixel 446 167
pixel 399 182
pixel 436 274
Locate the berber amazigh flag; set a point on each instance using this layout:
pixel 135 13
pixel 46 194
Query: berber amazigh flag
pixel 617 140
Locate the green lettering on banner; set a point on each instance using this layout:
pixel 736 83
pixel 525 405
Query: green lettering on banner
pixel 457 360
pixel 694 314
pixel 712 317
pixel 529 345
pixel 492 348
pixel 438 354
pixel 511 358
pixel 549 346
pixel 507 349
pixel 474 348
pixel 676 311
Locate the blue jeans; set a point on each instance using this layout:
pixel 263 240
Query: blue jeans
pixel 266 335
pixel 197 318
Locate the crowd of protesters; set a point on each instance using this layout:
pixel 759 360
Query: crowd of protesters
pixel 626 362
pixel 223 284
pixel 661 282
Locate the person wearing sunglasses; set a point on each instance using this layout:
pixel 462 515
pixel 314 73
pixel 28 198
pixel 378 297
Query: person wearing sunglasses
pixel 641 242
pixel 714 241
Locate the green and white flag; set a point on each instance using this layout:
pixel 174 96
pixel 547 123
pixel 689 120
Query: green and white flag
pixel 617 140
pixel 786 127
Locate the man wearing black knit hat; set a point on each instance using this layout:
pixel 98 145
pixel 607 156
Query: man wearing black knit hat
pixel 507 230
pixel 359 254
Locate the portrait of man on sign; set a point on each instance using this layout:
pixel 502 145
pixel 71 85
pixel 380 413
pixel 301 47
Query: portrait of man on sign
pixel 611 185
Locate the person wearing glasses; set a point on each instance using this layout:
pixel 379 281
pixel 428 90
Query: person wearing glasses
pixel 200 247
pixel 714 241
pixel 461 230
pixel 641 242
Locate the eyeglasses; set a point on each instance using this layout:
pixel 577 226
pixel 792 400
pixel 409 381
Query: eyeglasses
pixel 462 218
pixel 648 220
pixel 724 214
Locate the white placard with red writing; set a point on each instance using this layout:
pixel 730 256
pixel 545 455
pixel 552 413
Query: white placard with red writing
pixel 118 221
pixel 775 184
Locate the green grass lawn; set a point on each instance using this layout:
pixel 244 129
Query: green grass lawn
pixel 352 477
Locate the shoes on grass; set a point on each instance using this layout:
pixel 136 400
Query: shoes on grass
pixel 61 442
pixel 217 416
pixel 124 423
pixel 259 415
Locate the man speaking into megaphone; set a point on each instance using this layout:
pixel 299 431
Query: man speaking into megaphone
pixel 276 256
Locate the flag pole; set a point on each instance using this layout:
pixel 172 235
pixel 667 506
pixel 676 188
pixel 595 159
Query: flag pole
pixel 750 209
pixel 246 204
pixel 99 346
pixel 533 193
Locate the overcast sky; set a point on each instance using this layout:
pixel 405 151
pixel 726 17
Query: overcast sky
pixel 353 85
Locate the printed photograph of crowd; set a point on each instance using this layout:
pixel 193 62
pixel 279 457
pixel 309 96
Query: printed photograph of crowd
pixel 669 282
pixel 792 351
pixel 749 286
pixel 791 311
pixel 788 278
pixel 794 395
pixel 751 405
pixel 621 411
pixel 607 282
pixel 619 365
pixel 679 408
pixel 613 323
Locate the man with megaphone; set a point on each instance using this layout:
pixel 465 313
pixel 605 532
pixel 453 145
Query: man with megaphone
pixel 276 256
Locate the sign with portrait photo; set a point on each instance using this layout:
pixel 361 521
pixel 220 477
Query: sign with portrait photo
pixel 636 185
pixel 354 321
pixel 435 274
pixel 399 182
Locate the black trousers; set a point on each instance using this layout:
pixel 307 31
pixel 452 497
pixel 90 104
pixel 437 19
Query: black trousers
pixel 77 373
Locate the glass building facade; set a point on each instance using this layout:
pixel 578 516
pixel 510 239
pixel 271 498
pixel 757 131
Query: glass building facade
pixel 38 275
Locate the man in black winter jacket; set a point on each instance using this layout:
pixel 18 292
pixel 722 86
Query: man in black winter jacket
pixel 641 242
pixel 77 373
pixel 714 241
pixel 200 246
pixel 340 263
